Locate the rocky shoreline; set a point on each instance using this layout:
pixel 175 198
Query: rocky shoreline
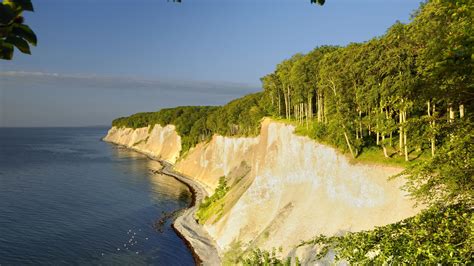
pixel 200 242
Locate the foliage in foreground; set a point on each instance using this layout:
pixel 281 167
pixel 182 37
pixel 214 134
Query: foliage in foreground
pixel 13 31
pixel 437 235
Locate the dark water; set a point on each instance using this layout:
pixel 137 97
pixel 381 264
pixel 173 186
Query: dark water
pixel 68 198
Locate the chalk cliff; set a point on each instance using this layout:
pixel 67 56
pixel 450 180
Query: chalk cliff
pixel 284 188
pixel 158 142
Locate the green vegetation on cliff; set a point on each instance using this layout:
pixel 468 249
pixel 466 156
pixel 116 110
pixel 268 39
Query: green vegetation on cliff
pixel 212 205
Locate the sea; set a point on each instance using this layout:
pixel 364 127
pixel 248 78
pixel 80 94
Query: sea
pixel 68 198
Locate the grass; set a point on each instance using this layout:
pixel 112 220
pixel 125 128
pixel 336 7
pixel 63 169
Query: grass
pixel 374 155
pixel 214 208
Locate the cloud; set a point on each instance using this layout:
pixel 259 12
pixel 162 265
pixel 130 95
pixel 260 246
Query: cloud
pixel 37 80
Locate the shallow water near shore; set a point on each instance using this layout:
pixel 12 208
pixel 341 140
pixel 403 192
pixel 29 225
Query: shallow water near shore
pixel 68 198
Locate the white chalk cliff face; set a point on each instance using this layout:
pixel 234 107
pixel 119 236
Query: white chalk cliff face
pixel 296 188
pixel 161 142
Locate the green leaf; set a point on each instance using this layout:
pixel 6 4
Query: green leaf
pixel 6 50
pixel 19 43
pixel 319 2
pixel 23 4
pixel 25 32
pixel 7 14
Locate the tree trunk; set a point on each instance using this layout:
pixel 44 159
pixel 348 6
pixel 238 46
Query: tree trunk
pixel 348 143
pixel 279 103
pixel 433 139
pixel 378 126
pixel 391 144
pixel 405 136
pixel 400 133
pixel 461 110
pixel 451 113
pixel 295 112
pixel 369 125
pixel 432 125
pixel 429 108
pixel 318 108
pixel 307 116
pixel 325 116
pixel 302 113
pixel 289 102
pixel 383 146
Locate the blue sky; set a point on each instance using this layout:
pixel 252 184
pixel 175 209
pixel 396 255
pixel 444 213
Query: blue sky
pixel 100 59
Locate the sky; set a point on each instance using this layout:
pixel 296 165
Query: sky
pixel 101 59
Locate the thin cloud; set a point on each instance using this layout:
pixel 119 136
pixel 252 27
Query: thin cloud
pixel 22 79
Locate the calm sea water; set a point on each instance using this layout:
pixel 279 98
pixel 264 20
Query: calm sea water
pixel 68 198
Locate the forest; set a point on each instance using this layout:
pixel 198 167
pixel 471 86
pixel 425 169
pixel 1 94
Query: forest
pixel 406 95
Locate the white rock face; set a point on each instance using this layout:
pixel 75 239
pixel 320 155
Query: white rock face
pixel 300 188
pixel 161 142
pixel 209 161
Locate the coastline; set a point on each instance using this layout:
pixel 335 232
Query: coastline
pixel 186 227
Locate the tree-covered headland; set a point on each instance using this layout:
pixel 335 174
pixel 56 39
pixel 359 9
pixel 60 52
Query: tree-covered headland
pixel 404 96
pixel 240 117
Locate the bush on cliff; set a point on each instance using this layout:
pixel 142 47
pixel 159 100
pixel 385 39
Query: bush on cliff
pixel 212 205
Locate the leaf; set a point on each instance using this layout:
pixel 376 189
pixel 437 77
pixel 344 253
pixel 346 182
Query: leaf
pixel 319 2
pixel 6 50
pixel 23 4
pixel 25 32
pixel 7 14
pixel 19 43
